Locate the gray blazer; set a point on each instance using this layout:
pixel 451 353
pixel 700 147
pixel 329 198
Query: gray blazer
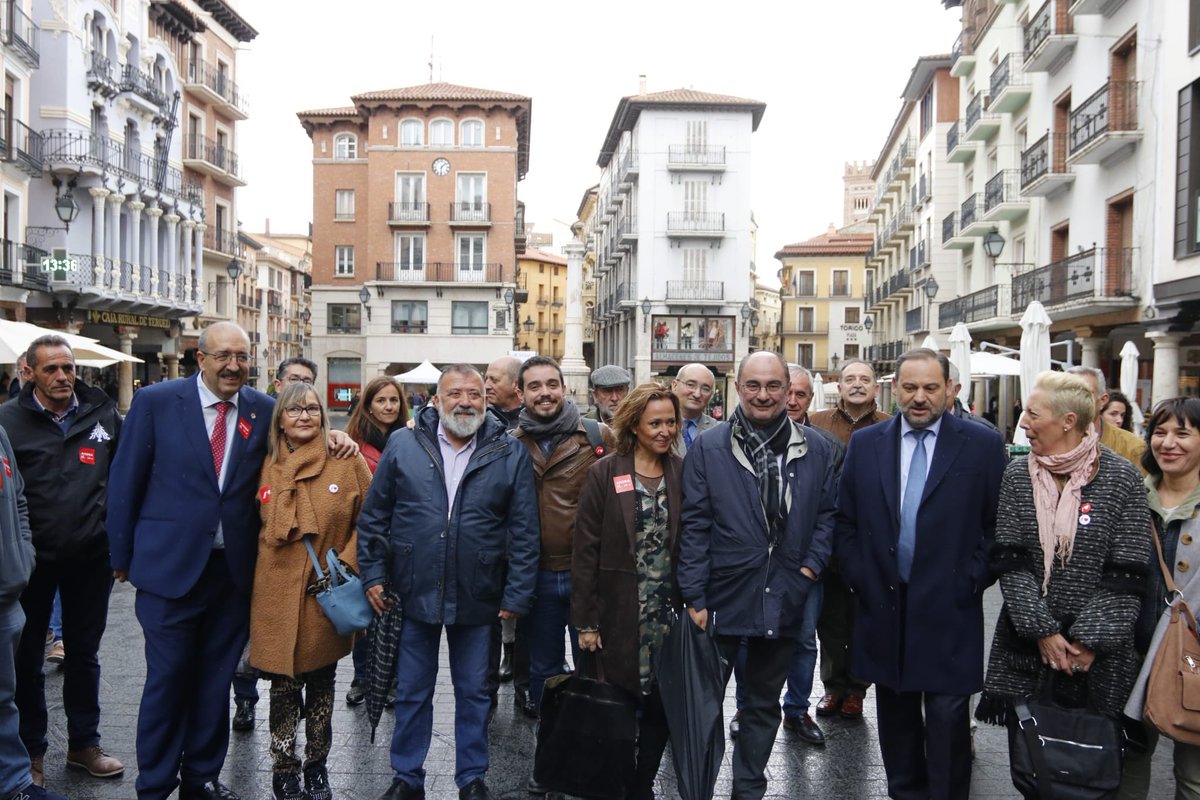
pixel 704 423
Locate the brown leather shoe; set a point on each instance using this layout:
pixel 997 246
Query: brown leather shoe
pixel 36 770
pixel 98 763
pixel 852 706
pixel 830 704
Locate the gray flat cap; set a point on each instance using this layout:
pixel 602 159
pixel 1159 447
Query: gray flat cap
pixel 610 375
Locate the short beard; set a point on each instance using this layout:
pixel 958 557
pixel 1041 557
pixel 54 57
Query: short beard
pixel 463 425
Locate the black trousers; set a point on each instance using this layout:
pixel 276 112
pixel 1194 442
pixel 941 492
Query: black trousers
pixel 520 660
pixel 85 585
pixel 764 673
pixel 835 629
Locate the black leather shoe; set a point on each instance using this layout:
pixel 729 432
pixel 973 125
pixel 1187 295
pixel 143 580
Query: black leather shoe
pixel 213 790
pixel 316 782
pixel 806 728
pixel 286 786
pixel 243 718
pixel 399 790
pixel 475 790
pixel 533 787
pixel 506 663
pixel 735 725
pixel 356 694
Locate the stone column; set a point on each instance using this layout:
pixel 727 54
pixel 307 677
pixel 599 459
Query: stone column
pixel 1165 384
pixel 114 234
pixel 198 266
pixel 172 362
pixel 574 368
pixel 171 262
pixel 135 235
pixel 98 248
pixel 1089 350
pixel 154 213
pixel 180 272
pixel 125 369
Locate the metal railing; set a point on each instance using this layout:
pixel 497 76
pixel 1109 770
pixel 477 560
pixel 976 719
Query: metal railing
pixel 699 221
pixel 952 136
pixel 470 211
pixel 202 72
pixel 968 212
pixel 142 84
pixel 692 155
pixel 202 148
pixel 974 111
pixel 20 32
pixel 1001 188
pixel 949 226
pixel 20 265
pixel 973 307
pixel 100 74
pixel 914 320
pixel 407 211
pixel 1114 107
pixel 1038 29
pixel 439 272
pixel 25 146
pixel 222 241
pixel 1046 156
pixel 1007 73
pixel 1099 273
pixel 695 290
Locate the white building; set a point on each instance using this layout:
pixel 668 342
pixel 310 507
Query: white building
pixel 674 233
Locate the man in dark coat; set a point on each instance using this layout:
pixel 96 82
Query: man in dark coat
pixel 756 532
pixel 917 508
pixel 451 523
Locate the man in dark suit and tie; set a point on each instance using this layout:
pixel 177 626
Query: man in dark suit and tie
pixel 183 528
pixel 916 519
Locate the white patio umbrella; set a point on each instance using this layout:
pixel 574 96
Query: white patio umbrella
pixel 1035 356
pixel 425 373
pixel 994 365
pixel 1129 373
pixel 931 343
pixel 960 354
pixel 15 338
pixel 818 390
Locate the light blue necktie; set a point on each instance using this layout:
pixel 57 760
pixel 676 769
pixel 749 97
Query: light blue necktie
pixel 689 432
pixel 909 505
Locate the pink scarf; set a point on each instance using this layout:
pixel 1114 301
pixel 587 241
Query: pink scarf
pixel 1057 512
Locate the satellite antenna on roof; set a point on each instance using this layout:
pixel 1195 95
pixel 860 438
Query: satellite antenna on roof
pixel 431 59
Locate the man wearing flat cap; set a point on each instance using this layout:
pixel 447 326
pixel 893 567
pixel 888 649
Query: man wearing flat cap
pixel 610 384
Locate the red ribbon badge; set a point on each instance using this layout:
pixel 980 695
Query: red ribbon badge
pixel 264 495
pixel 7 467
pixel 87 455
pixel 244 428
pixel 1085 508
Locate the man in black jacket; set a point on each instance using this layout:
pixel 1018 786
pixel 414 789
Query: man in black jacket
pixel 64 435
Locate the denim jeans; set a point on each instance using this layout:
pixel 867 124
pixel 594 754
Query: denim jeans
pixel 416 673
pixel 14 758
pixel 544 625
pixel 804 660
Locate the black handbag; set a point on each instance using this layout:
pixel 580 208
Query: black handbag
pixel 587 737
pixel 1060 753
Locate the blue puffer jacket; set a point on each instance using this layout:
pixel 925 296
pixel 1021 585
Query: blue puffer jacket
pixel 725 563
pixel 452 565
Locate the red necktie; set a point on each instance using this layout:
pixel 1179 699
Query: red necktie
pixel 218 436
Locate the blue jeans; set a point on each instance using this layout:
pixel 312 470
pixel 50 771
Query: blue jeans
pixel 545 623
pixel 416 673
pixel 56 617
pixel 14 758
pixel 804 660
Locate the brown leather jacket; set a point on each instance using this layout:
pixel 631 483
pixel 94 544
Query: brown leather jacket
pixel 559 480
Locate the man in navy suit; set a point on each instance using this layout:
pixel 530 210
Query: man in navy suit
pixel 916 520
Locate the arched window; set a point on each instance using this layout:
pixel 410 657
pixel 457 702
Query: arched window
pixel 472 133
pixel 345 145
pixel 412 132
pixel 441 133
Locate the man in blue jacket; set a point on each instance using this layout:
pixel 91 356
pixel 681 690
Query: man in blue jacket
pixel 451 525
pixel 756 533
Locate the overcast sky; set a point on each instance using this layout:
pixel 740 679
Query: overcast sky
pixel 830 72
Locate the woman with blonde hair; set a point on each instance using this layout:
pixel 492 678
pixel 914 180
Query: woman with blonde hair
pixel 1072 552
pixel 623 592
pixel 304 494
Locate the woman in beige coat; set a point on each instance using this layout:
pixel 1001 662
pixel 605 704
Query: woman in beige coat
pixel 302 493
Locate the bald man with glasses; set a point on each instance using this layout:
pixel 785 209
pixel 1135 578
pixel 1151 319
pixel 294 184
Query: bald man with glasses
pixel 693 385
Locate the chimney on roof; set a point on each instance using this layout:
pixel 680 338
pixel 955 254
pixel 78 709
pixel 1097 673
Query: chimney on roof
pixel 267 227
pixel 642 84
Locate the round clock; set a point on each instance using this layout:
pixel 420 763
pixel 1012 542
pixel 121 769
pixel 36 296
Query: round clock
pixel 441 167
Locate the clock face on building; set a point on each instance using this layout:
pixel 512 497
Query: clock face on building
pixel 441 167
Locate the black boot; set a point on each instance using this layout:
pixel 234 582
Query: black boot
pixel 316 782
pixel 506 663
pixel 286 786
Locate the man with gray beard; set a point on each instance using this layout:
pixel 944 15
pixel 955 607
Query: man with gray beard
pixel 450 525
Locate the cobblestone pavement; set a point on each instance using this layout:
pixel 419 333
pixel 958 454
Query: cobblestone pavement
pixel 848 767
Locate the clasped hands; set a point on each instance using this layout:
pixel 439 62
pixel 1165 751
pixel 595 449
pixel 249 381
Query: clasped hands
pixel 1063 655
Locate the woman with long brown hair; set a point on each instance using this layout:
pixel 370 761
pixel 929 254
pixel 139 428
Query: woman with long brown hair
pixel 380 413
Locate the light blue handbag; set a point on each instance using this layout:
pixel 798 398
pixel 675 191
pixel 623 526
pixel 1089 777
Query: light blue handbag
pixel 340 593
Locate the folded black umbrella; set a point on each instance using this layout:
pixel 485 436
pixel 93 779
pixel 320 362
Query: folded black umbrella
pixel 691 681
pixel 383 643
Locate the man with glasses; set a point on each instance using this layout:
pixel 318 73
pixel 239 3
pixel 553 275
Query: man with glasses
pixel 294 370
pixel 183 526
pixel 751 550
pixel 693 385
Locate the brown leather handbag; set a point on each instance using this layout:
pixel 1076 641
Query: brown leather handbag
pixel 1173 692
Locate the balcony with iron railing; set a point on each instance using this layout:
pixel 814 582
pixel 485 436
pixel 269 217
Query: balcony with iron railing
pixel 214 85
pixel 141 84
pixel 914 321
pixel 223 241
pixel 100 77
pixel 970 218
pixel 20 145
pixel 21 266
pixel 696 224
pixel 958 149
pixel 408 212
pixel 924 254
pixel 691 157
pixel 1090 282
pixel 1009 85
pixel 1044 170
pixel 695 291
pixel 627 172
pixel 470 212
pixel 980 124
pixel 213 158
pixel 441 272
pixel 95 152
pixel 962 60
pixel 949 227
pixel 1002 199
pixel 1105 124
pixel 1048 37
pixel 982 306
pixel 20 33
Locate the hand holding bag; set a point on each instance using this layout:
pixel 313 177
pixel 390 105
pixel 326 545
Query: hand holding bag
pixel 344 601
pixel 1173 690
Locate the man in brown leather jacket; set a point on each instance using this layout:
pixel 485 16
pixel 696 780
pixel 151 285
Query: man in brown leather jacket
pixel 551 427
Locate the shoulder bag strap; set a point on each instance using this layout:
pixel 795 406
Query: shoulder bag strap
pixel 1176 596
pixel 311 554
pixel 1028 724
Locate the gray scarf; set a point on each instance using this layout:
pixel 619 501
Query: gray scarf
pixel 756 444
pixel 549 433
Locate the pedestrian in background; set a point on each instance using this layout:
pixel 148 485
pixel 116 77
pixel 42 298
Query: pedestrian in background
pixel 1073 556
pixel 381 413
pixel 304 494
pixel 623 592
pixel 610 384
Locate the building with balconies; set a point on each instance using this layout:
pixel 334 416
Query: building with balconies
pixel 274 298
pixel 542 278
pixel 416 229
pixel 766 319
pixel 674 233
pixel 1056 195
pixel 915 214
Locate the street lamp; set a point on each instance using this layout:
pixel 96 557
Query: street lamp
pixel 528 323
pixel 64 203
pixel 305 316
pixel 833 361
pixel 993 244
pixel 931 290
pixel 508 301
pixel 868 323
pixel 646 306
pixel 234 268
pixel 745 316
pixel 364 297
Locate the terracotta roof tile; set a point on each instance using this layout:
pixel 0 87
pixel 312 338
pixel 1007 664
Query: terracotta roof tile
pixel 533 254
pixel 344 111
pixel 439 91
pixel 829 243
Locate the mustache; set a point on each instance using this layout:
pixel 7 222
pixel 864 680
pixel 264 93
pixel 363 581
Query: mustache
pixel 465 412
